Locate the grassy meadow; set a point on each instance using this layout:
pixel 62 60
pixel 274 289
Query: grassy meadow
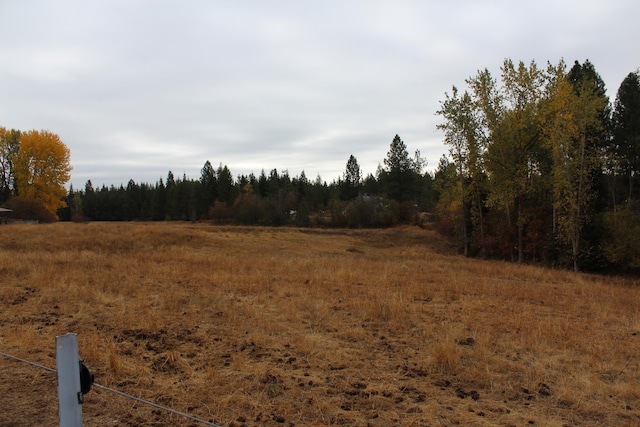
pixel 310 327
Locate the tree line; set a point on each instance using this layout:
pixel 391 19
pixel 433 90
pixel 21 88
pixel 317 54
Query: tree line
pixel 541 167
pixel 395 194
pixel 34 166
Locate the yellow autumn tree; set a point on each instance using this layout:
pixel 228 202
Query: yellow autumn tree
pixel 572 120
pixel 42 168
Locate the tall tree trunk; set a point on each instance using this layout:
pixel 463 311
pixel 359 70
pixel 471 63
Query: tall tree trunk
pixel 465 232
pixel 481 225
pixel 630 183
pixel 575 243
pixel 520 232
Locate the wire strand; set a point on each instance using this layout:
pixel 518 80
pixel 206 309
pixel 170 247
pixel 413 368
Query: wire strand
pixel 146 402
pixel 46 368
pixel 155 405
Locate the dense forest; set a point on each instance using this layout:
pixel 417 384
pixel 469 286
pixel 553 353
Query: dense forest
pixel 541 167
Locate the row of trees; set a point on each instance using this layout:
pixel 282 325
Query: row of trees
pixel 541 167
pixel 397 191
pixel 34 167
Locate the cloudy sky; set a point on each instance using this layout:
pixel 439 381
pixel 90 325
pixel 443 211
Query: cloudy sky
pixel 136 88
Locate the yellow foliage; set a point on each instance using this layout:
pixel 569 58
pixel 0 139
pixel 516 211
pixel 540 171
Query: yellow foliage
pixel 42 168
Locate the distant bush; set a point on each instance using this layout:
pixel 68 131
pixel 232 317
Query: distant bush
pixel 219 212
pixel 30 209
pixel 248 209
pixel 623 247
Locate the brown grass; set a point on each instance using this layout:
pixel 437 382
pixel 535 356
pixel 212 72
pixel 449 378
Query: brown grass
pixel 255 326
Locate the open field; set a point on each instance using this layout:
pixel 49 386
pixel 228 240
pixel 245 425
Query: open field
pixel 260 326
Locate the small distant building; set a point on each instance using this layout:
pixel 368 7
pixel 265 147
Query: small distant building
pixel 3 218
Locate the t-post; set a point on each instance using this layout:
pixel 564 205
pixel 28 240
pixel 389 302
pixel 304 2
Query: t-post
pixel 69 391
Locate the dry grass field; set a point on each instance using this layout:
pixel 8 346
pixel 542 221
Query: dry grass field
pixel 293 327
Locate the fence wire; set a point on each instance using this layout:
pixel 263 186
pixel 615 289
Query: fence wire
pixel 120 393
pixel 37 365
pixel 155 405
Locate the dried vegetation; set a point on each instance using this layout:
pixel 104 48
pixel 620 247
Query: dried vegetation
pixel 261 326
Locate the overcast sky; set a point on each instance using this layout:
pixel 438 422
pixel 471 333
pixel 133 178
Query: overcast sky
pixel 136 88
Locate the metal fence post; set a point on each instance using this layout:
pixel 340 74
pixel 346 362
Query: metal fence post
pixel 69 392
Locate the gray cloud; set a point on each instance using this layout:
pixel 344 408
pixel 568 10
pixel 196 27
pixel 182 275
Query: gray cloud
pixel 138 88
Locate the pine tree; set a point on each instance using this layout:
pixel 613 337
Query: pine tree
pixel 626 130
pixel 398 177
pixel 209 185
pixel 352 179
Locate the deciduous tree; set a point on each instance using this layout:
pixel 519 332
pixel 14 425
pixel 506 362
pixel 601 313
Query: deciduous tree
pixel 42 168
pixel 510 124
pixel 461 130
pixel 9 146
pixel 572 119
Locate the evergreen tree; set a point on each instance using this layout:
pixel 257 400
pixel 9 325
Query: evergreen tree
pixel 263 185
pixel 171 200
pixel 225 185
pixel 398 176
pixel 302 186
pixel 370 185
pixel 171 181
pixel 352 173
pixel 397 159
pixel 352 179
pixel 132 201
pixel 209 184
pixel 159 202
pixel 626 130
pixel 89 201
